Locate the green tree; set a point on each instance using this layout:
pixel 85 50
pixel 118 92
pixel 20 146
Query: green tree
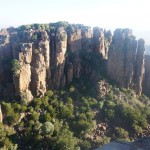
pixel 47 128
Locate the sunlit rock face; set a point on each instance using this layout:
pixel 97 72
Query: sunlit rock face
pixel 22 78
pixel 101 41
pixel 40 65
pixel 126 60
pixel 50 58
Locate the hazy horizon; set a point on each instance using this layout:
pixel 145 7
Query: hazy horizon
pixel 108 14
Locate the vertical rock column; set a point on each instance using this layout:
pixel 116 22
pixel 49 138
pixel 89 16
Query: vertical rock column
pixel 126 60
pixel 116 58
pixel 22 72
pixel 74 39
pixel 87 39
pixel 40 64
pixel 139 66
pixel 99 41
pixel 74 47
pixel 6 85
pixel 59 78
pixel 146 82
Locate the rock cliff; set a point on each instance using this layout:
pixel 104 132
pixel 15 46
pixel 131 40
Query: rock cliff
pixel 146 84
pixel 126 60
pixel 36 58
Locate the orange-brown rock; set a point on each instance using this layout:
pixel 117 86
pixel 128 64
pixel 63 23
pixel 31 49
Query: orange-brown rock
pixel 74 39
pixel 22 78
pixel 51 58
pixel 101 41
pixel 40 65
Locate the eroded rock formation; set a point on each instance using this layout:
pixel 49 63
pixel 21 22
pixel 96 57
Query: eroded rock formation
pixel 101 41
pixel 22 76
pixel 52 58
pixel 146 84
pixel 60 51
pixel 126 60
pixel 40 65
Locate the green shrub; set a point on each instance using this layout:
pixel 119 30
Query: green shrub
pixel 49 93
pixel 85 145
pixel 65 141
pixel 34 37
pixel 71 89
pixel 121 133
pixel 16 67
pixel 137 129
pixel 104 140
pixel 47 128
pixel 36 51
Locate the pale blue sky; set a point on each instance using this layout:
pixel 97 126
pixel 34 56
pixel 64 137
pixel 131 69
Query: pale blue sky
pixel 108 14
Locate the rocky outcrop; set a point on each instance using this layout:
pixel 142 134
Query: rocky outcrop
pixel 69 73
pixel 6 86
pixel 102 89
pixel 22 74
pixel 87 39
pixel 74 39
pixel 146 82
pixel 139 66
pixel 51 58
pixel 60 51
pixel 40 65
pixel 125 60
pixel 101 41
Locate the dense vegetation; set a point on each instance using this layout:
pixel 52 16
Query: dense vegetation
pixel 76 117
pixel 65 119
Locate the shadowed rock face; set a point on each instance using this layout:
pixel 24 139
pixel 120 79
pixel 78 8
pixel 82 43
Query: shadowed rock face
pixel 51 58
pixel 60 51
pixel 146 84
pixel 126 60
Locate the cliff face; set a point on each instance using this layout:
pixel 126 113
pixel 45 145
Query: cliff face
pixel 126 60
pixel 34 60
pixel 59 62
pixel 146 84
pixel 102 40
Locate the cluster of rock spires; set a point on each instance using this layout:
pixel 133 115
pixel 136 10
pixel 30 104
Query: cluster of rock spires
pixel 45 59
pixel 126 60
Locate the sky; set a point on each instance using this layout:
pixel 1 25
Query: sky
pixel 109 14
